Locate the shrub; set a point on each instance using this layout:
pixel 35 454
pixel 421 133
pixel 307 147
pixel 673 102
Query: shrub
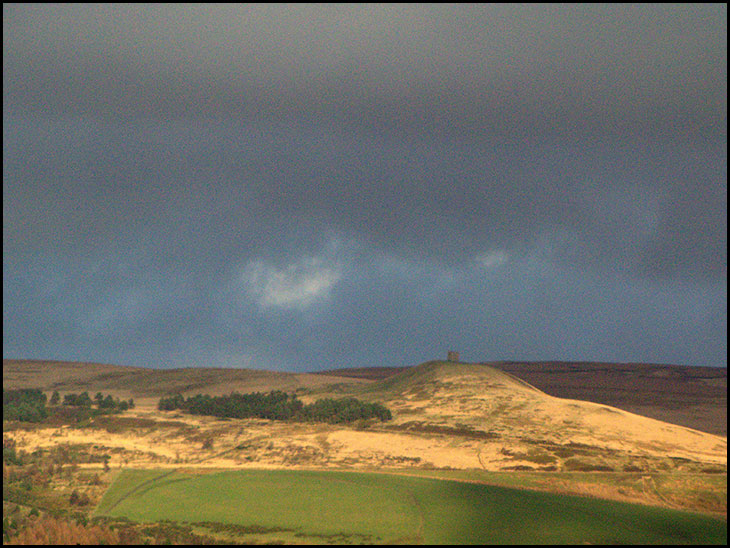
pixel 10 456
pixel 50 531
pixel 576 465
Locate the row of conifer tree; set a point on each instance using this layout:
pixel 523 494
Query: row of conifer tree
pixel 277 405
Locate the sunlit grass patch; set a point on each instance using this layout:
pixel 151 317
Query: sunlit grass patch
pixel 350 507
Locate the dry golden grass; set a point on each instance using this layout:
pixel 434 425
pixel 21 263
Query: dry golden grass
pixel 446 416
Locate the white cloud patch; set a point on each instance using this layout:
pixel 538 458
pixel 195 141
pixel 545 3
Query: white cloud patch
pixel 492 259
pixel 296 286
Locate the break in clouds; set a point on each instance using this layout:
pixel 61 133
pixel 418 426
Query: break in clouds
pixel 301 187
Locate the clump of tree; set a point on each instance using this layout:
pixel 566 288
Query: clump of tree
pixel 79 499
pixel 29 405
pixel 77 400
pixel 171 403
pixel 25 404
pixel 10 456
pixel 104 404
pixel 112 404
pixel 277 405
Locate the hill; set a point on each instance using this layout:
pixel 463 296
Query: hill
pixel 143 383
pixel 695 397
pixel 459 415
pixel 469 418
pixel 480 398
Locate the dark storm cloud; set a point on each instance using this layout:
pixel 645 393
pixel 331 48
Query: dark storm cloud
pixel 179 193
pixel 458 66
pixel 208 182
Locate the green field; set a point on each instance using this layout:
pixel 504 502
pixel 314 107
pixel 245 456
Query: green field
pixel 350 507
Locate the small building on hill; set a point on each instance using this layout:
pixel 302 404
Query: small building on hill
pixel 452 356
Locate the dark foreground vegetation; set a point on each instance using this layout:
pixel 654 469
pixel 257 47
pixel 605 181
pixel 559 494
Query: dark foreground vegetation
pixel 49 496
pixel 277 405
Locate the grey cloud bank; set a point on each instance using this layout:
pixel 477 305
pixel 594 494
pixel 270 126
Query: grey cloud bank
pixel 440 66
pixel 305 187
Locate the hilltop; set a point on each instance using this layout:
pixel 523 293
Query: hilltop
pixel 695 397
pixel 482 398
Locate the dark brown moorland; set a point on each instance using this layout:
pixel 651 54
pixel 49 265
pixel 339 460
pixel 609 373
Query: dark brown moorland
pixel 695 397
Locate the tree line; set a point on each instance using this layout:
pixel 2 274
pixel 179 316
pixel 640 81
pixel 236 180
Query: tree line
pixel 29 404
pixel 277 405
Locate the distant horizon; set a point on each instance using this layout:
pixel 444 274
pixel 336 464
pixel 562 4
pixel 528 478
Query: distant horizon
pixel 478 362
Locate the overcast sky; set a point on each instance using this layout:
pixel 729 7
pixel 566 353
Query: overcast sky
pixel 299 187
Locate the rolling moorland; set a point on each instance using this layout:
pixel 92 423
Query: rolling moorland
pixel 509 429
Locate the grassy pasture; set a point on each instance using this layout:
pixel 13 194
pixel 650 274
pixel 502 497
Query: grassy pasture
pixel 697 492
pixel 352 507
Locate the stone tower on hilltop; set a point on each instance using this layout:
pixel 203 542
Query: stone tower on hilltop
pixel 452 356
